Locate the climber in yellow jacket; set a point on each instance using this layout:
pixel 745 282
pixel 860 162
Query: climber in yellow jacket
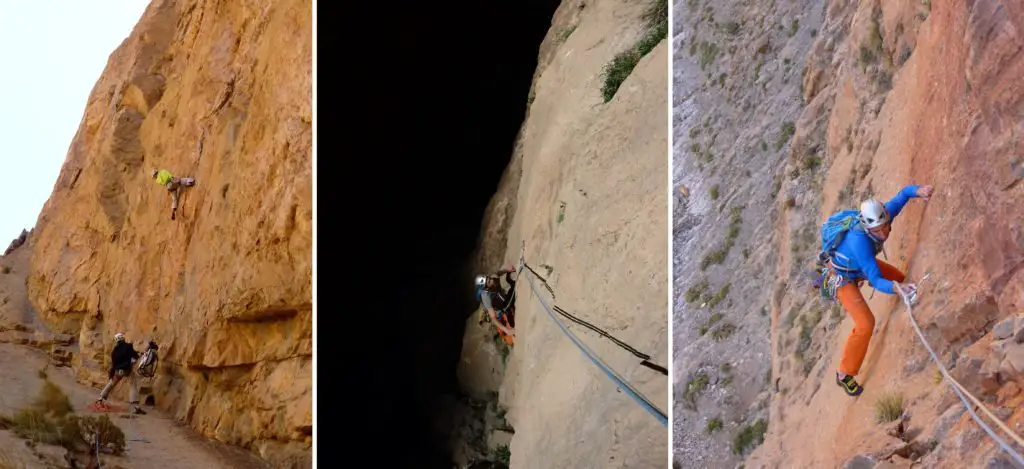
pixel 173 185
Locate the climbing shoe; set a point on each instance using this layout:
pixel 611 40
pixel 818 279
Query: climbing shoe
pixel 138 411
pixel 849 385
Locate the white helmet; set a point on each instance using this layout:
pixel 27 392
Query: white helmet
pixel 480 280
pixel 119 337
pixel 873 214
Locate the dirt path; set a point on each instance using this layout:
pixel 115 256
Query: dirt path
pixel 170 444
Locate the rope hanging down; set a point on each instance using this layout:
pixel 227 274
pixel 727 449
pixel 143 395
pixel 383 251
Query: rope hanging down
pixel 961 391
pixel 622 384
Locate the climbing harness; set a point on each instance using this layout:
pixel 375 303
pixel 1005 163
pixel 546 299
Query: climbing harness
pixel 962 392
pixel 828 283
pixel 622 384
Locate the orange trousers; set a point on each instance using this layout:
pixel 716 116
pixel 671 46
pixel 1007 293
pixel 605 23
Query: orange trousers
pixel 863 320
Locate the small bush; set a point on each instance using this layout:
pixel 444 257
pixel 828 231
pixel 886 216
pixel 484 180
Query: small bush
pixel 888 407
pixel 785 132
pixel 50 420
pixel 695 291
pixel 710 323
pixel 53 401
pixel 708 53
pixel 695 387
pixel 502 454
pixel 719 296
pixel 616 72
pixel 713 425
pixel 34 425
pixel 749 436
pixel 723 332
pixel 718 256
pixel 564 36
pixel 714 192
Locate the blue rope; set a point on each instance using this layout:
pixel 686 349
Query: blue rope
pixel 639 398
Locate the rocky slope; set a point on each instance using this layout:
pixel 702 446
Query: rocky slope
pixel 585 191
pixel 220 92
pixel 737 77
pixel 898 93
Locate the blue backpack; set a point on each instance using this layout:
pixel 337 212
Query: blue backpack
pixel 479 294
pixel 833 232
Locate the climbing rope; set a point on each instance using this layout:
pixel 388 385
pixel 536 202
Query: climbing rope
pixel 622 384
pixel 961 391
pixel 643 356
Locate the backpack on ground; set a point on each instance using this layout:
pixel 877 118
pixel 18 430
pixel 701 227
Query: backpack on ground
pixel 148 361
pixel 833 232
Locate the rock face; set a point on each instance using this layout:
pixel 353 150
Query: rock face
pixel 585 191
pixel 740 74
pixel 17 242
pixel 222 93
pixel 906 93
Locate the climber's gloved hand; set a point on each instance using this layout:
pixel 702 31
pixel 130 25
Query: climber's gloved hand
pixel 907 290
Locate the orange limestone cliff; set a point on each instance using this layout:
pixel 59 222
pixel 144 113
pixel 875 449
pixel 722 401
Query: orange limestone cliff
pixel 222 92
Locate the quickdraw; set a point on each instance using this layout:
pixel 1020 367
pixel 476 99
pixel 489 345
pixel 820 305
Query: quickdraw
pixel 831 280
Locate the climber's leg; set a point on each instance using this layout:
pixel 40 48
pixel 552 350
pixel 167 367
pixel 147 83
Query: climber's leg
pixel 174 186
pixel 863 325
pixel 109 387
pixel 133 398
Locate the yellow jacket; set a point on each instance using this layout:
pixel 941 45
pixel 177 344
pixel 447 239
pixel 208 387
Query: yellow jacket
pixel 163 177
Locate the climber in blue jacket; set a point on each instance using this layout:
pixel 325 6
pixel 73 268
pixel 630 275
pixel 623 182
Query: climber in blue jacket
pixel 854 260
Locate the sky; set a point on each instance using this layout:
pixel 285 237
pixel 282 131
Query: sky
pixel 52 52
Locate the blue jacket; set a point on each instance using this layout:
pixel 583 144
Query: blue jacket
pixel 858 250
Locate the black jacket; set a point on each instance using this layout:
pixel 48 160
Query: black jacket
pixel 121 357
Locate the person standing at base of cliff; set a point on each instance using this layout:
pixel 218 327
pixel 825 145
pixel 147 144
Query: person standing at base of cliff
pixel 173 185
pixel 853 261
pixel 122 358
pixel 499 304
